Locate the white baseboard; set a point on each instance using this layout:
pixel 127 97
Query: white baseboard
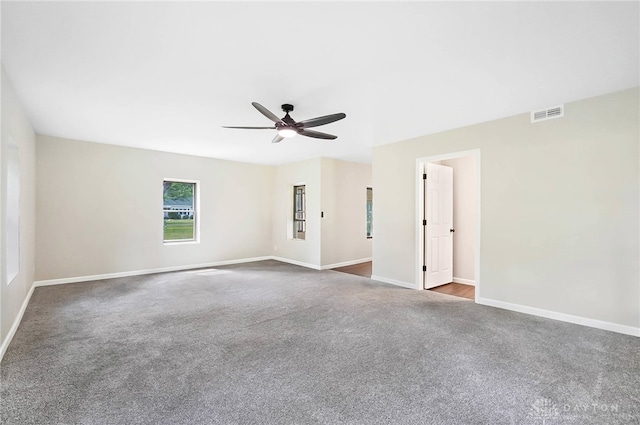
pixel 464 281
pixel 409 285
pixel 598 324
pixel 143 272
pixel 296 262
pixel 16 323
pixel 578 320
pixel 345 263
pixel 103 276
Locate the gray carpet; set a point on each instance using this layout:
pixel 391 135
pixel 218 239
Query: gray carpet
pixel 272 343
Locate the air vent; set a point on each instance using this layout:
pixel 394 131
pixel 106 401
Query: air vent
pixel 547 114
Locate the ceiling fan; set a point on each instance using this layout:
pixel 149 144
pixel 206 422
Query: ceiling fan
pixel 288 127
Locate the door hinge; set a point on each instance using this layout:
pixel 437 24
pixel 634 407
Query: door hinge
pixel 424 268
pixel 424 222
pixel 424 176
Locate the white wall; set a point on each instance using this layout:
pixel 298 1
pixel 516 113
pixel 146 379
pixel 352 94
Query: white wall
pixel 16 126
pixel 559 208
pixel 307 251
pixel 99 209
pixel 337 188
pixel 344 197
pixel 464 217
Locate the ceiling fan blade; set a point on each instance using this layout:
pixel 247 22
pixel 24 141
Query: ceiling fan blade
pixel 314 122
pixel 267 113
pixel 250 128
pixel 317 134
pixel 277 139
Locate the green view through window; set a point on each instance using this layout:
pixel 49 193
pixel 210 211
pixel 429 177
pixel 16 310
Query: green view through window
pixel 179 201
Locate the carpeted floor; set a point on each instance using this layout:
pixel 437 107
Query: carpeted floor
pixel 273 343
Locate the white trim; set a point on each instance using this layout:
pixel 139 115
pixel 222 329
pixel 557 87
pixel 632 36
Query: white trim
pixel 16 323
pixel 88 278
pixel 296 262
pixel 180 242
pixel 345 263
pixel 598 324
pixel 143 272
pixel 12 233
pixel 563 317
pixel 369 237
pixel 420 169
pixel 293 215
pixel 396 282
pixel 464 281
pixel 196 214
pixel 478 227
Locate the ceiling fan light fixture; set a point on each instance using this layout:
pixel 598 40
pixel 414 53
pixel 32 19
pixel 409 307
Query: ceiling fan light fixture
pixel 287 127
pixel 287 132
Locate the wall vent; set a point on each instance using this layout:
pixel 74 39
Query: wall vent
pixel 547 114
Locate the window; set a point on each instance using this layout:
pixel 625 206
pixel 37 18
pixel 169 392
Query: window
pixel 369 212
pixel 12 212
pixel 179 210
pixel 299 211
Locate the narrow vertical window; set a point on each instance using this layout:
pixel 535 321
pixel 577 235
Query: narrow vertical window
pixel 179 210
pixel 299 212
pixel 369 212
pixel 12 212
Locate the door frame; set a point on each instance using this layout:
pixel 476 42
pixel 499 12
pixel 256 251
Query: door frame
pixel 420 169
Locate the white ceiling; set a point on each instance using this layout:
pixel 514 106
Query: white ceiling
pixel 167 75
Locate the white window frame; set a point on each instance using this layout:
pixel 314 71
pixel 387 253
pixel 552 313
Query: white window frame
pixel 295 221
pixel 196 213
pixel 11 214
pixel 366 230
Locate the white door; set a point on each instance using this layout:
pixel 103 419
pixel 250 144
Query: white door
pixel 438 239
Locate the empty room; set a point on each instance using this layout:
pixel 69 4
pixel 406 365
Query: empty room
pixel 307 212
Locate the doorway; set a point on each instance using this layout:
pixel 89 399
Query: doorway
pixel 360 269
pixel 448 248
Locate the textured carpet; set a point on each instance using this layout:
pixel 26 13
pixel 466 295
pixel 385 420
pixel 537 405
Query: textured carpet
pixel 273 343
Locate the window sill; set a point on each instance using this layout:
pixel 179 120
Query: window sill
pixel 187 242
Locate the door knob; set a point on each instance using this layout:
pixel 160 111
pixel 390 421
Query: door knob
pixel 452 230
